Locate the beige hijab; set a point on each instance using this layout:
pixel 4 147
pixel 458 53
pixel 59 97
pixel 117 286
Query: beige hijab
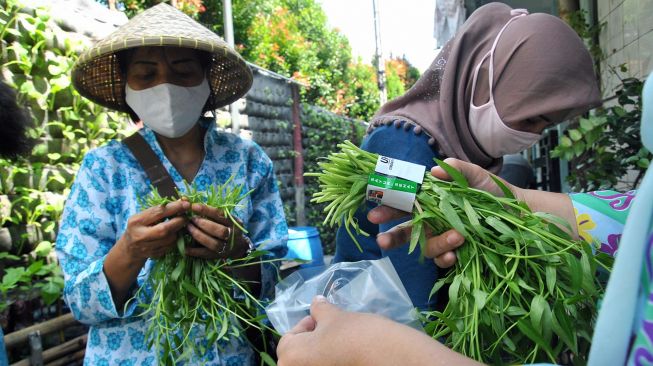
pixel 541 68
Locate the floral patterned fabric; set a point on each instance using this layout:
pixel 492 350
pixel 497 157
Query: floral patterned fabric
pixel 106 193
pixel 601 216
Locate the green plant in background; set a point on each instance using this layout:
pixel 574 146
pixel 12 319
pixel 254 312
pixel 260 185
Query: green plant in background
pixel 41 275
pixel 188 292
pixel 588 32
pixel 522 289
pixel 36 60
pixel 323 131
pixel 604 147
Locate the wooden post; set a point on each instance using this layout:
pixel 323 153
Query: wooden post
pixel 300 199
pixel 566 7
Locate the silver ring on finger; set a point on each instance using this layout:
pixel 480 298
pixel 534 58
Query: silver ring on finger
pixel 223 250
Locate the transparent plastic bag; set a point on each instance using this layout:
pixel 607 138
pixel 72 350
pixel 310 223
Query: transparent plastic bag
pixel 370 286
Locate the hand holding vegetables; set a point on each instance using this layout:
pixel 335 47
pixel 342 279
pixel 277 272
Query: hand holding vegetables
pixel 523 288
pixel 441 247
pixel 149 234
pixel 210 228
pixel 200 288
pixel 356 338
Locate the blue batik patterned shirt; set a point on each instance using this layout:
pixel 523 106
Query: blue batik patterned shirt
pixel 106 193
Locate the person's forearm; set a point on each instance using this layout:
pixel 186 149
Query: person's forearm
pixel 398 344
pixel 121 271
pixel 558 204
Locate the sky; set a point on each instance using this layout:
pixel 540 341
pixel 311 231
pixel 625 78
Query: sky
pixel 406 28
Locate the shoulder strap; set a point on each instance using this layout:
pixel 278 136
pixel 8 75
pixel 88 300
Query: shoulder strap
pixel 152 165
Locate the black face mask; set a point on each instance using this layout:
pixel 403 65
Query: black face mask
pixel 14 122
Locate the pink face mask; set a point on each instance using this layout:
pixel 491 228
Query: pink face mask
pixel 490 132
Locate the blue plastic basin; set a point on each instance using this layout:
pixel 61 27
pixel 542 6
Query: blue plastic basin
pixel 304 243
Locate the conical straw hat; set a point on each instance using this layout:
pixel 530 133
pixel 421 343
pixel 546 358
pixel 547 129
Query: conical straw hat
pixel 97 75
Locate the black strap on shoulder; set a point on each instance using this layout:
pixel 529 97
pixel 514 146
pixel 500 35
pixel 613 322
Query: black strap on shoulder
pixel 159 176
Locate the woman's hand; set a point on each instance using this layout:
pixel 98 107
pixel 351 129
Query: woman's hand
pixel 441 247
pixel 150 235
pixel 330 336
pixel 217 235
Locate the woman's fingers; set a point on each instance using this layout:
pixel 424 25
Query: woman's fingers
pixel 157 214
pixel 212 228
pixel 207 240
pixel 381 214
pixel 394 237
pixel 446 260
pixel 202 252
pixel 211 212
pixel 307 324
pixel 441 248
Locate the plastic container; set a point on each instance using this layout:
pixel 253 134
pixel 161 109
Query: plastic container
pixel 304 243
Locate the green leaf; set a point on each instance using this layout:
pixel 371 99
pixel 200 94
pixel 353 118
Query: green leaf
pixel 267 359
pixel 494 263
pixel 480 297
pixel 509 343
pixel 506 191
pixel 514 287
pixel 438 285
pixel 536 311
pixel 452 217
pixel 565 141
pixel 453 289
pixel 473 218
pixel 524 285
pixel 576 272
pixel 515 311
pixel 550 273
pixel 579 148
pixel 12 276
pixel 414 235
pixel 177 271
pixel 554 219
pixel 191 288
pixel 527 329
pixel 5 255
pixel 34 267
pixel 50 292
pixel 586 125
pixel 457 176
pixel 499 226
pixel 43 249
pixel 563 328
pixel 575 135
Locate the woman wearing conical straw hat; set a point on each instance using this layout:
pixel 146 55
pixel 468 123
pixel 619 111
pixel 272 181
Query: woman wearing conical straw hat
pixel 166 70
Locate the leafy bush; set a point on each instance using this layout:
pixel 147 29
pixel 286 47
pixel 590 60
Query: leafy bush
pixel 37 57
pixel 323 130
pixel 604 147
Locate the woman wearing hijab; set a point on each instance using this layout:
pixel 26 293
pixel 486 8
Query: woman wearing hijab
pixel 165 69
pixel 492 90
pixel 621 222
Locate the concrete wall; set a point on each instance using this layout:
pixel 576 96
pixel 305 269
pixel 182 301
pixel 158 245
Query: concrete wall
pixel 627 38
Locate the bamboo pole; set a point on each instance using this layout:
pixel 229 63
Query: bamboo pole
pixel 63 351
pixel 77 356
pixel 16 338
